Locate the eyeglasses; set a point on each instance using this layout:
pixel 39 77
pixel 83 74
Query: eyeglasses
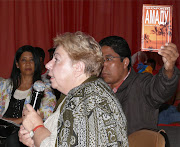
pixel 110 58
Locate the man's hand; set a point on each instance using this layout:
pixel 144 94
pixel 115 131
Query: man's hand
pixel 169 55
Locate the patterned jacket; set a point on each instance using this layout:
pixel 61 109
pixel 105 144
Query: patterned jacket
pixel 91 116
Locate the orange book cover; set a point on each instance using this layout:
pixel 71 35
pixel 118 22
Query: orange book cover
pixel 156 26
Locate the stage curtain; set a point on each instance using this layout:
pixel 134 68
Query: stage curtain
pixel 37 22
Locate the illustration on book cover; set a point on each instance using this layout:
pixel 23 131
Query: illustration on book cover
pixel 156 26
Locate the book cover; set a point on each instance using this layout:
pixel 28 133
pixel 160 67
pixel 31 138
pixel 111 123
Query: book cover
pixel 7 127
pixel 156 26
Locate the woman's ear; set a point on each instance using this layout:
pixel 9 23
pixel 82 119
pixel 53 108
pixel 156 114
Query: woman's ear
pixel 126 62
pixel 17 65
pixel 79 68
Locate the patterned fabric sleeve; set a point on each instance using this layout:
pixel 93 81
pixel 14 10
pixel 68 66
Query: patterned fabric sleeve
pixel 2 103
pixel 48 102
pixel 5 91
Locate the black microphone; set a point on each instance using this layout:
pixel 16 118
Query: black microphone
pixel 37 94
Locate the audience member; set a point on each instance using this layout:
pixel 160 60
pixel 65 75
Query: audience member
pixel 139 94
pixel 148 66
pixel 42 57
pixel 44 71
pixel 142 68
pixel 139 57
pixel 89 115
pixel 16 91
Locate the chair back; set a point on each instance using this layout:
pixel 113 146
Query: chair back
pixel 146 138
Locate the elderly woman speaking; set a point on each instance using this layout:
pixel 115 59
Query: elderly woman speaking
pixel 89 114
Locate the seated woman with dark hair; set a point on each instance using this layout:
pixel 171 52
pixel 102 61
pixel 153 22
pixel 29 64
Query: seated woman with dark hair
pixel 16 91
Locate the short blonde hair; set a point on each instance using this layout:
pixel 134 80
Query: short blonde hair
pixel 82 47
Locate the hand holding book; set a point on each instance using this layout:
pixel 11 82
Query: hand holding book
pixel 169 55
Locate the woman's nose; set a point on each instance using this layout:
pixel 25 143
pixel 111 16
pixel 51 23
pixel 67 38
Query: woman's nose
pixel 49 65
pixel 28 62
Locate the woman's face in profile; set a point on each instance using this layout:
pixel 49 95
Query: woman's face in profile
pixel 61 71
pixel 26 64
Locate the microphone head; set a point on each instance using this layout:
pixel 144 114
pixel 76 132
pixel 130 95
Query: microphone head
pixel 39 86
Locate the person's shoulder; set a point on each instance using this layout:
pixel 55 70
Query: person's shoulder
pixel 138 79
pixel 5 83
pixel 102 91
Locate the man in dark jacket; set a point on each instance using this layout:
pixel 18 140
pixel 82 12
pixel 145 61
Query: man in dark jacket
pixel 139 94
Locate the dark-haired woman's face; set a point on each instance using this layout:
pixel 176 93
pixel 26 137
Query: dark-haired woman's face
pixel 26 64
